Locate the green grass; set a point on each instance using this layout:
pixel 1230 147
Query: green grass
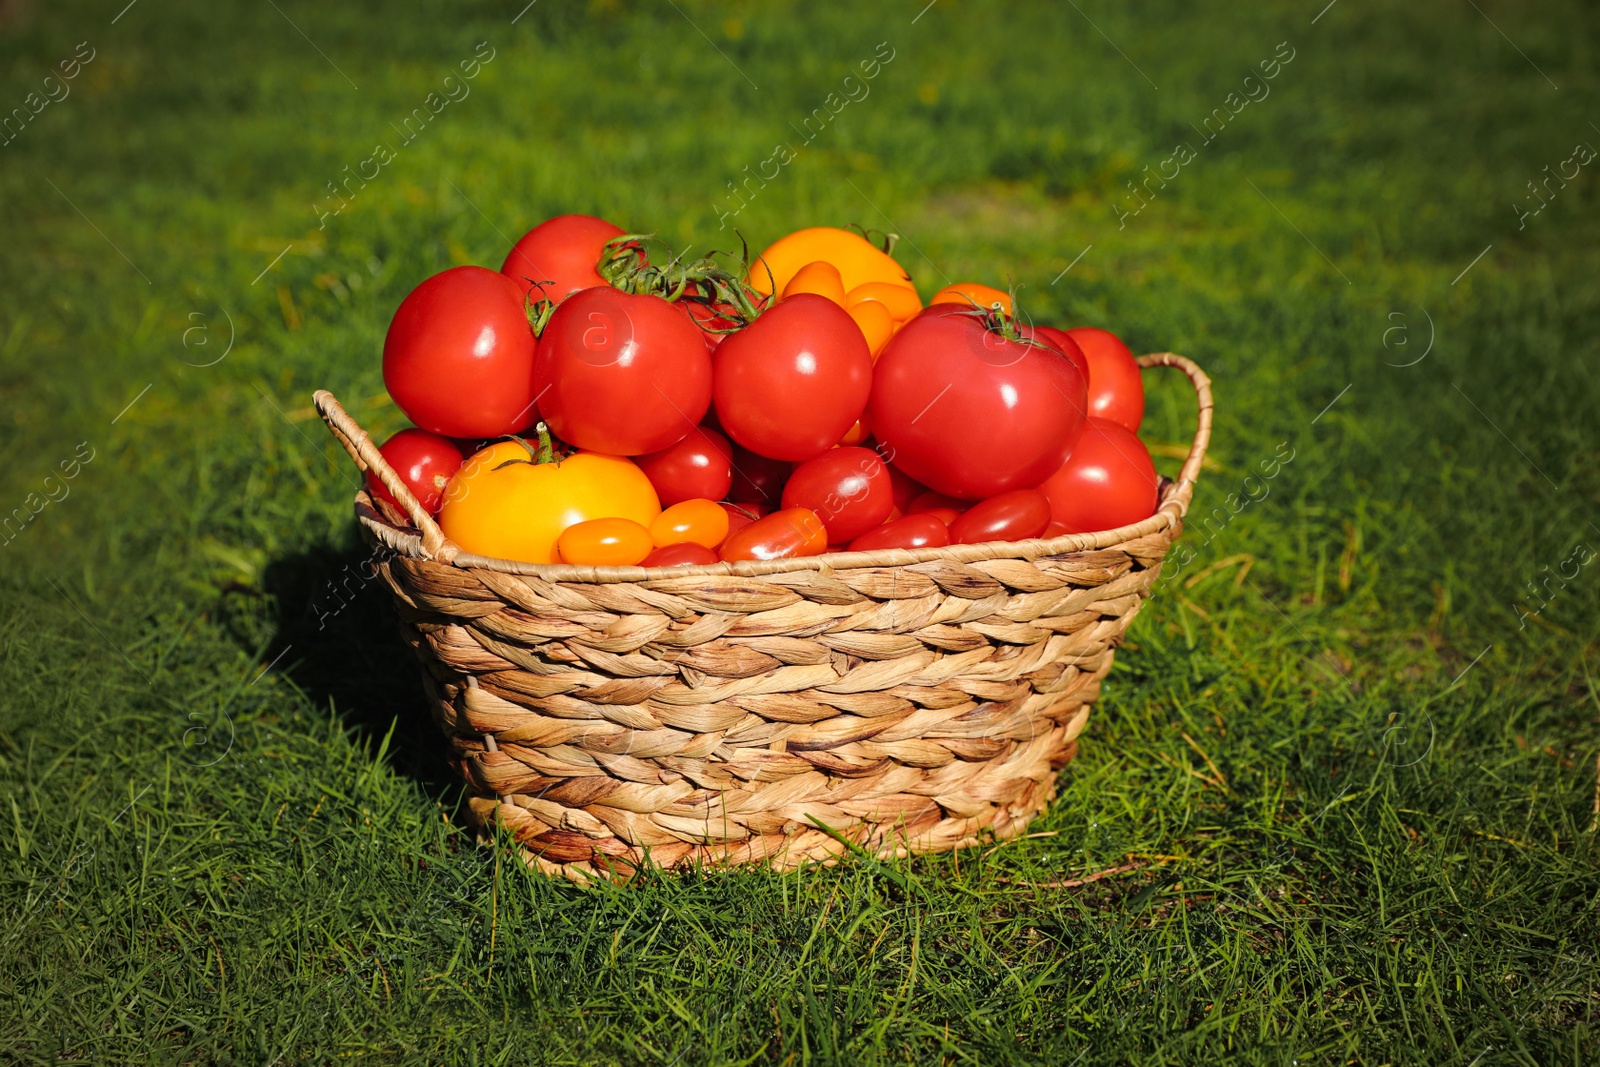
pixel 1355 772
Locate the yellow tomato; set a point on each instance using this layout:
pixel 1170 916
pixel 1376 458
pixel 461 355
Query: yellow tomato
pixel 700 522
pixel 518 509
pixel 969 293
pixel 876 325
pixel 857 259
pixel 605 543
pixel 821 278
pixel 901 300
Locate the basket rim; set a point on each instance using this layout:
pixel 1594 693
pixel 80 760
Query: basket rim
pixel 428 542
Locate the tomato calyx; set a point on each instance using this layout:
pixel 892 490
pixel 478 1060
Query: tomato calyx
pixel 886 240
pixel 719 291
pixel 1001 323
pixel 544 452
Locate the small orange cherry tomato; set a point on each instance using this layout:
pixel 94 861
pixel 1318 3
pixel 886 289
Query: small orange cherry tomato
pixel 901 300
pixel 683 554
pixel 876 325
pixel 821 278
pixel 700 522
pixel 972 293
pixel 786 533
pixel 857 433
pixel 604 543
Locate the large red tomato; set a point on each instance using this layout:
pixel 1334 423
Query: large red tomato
pixel 967 411
pixel 424 461
pixel 848 488
pixel 792 382
pixel 1108 481
pixel 621 373
pixel 699 466
pixel 458 359
pixel 1116 388
pixel 558 256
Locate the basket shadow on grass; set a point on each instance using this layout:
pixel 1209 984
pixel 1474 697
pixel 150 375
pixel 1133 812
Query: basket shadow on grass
pixel 344 651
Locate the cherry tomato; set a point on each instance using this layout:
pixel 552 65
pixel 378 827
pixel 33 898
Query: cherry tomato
pixel 821 278
pixel 848 488
pixel 757 479
pixel 424 461
pixel 968 294
pixel 1014 516
pixel 699 466
pixel 682 554
pixel 458 358
pixel 621 373
pixel 1107 482
pixel 901 301
pixel 502 504
pixel 741 515
pixel 790 532
pixel 969 411
pixel 944 515
pixel 1062 340
pixel 913 531
pixel 875 324
pixel 906 488
pixel 857 259
pixel 559 256
pixel 928 500
pixel 702 522
pixel 1116 387
pixel 608 542
pixel 790 384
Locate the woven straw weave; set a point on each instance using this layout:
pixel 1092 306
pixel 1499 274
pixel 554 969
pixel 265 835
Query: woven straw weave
pixel 766 711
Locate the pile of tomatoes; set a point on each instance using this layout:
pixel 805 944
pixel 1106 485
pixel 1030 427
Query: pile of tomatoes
pixel 588 404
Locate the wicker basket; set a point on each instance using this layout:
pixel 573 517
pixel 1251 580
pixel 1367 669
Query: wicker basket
pixel 766 711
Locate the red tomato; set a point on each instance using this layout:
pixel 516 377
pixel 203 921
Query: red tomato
pixel 944 515
pixel 559 256
pixel 790 532
pixel 848 488
pixel 1108 481
pixel 621 373
pixel 1014 516
pixel 699 466
pixel 682 554
pixel 741 515
pixel 458 359
pixel 928 500
pixel 757 479
pixel 793 381
pixel 967 411
pixel 424 461
pixel 1063 341
pixel 913 531
pixel 906 488
pixel 1116 387
pixel 609 542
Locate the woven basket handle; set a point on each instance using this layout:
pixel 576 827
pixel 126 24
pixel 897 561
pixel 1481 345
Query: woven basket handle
pixel 356 442
pixel 1178 502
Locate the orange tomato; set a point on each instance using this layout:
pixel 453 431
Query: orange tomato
pixel 970 293
pixel 876 325
pixel 821 278
pixel 857 259
pixel 604 543
pixel 786 533
pixel 503 505
pixel 700 522
pixel 857 433
pixel 901 300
